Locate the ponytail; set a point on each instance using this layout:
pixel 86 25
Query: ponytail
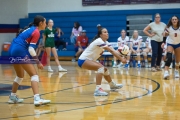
pixel 98 34
pixel 36 22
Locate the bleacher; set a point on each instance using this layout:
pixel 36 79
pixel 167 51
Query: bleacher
pixel 114 21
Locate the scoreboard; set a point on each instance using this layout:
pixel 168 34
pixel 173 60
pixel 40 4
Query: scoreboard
pixel 121 2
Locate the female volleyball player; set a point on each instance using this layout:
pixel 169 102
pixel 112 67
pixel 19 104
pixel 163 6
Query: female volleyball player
pixel 173 44
pixel 135 48
pixel 48 38
pixel 24 46
pixel 122 40
pixel 88 58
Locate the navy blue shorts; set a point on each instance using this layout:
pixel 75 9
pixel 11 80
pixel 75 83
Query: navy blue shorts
pixel 76 48
pixel 80 62
pixel 174 46
pixel 135 48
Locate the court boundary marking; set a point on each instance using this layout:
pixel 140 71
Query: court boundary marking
pixel 118 101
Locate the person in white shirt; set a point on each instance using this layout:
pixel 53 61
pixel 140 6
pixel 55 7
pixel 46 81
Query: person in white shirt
pixel 135 48
pixel 88 58
pixel 122 40
pixel 157 28
pixel 76 31
pixel 173 44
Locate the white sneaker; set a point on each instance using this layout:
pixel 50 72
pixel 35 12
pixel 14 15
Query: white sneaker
pixel 50 70
pixel 100 92
pixel 121 65
pixel 162 64
pixel 14 99
pixel 62 69
pixel 115 86
pixel 176 74
pixel 115 66
pixel 38 101
pixel 166 75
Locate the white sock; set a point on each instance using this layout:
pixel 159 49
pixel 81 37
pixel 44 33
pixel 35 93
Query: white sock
pixel 49 67
pixel 139 62
pixel 98 86
pixel 114 62
pixel 36 96
pixel 146 60
pixel 59 67
pixel 111 83
pixel 127 61
pixel 176 69
pixel 13 94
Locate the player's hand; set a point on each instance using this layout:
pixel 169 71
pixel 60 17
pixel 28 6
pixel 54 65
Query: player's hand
pixel 40 66
pixel 162 45
pixel 153 34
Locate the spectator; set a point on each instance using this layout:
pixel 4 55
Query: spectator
pixel 157 28
pixel 76 31
pixel 58 39
pixel 81 45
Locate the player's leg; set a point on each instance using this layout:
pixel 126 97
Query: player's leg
pixel 128 59
pixel 159 56
pixel 115 62
pixel 168 61
pixel 145 54
pixel 57 60
pixel 80 50
pixel 48 51
pixel 30 69
pixel 101 70
pixel 139 58
pixel 163 58
pixel 17 81
pixel 154 55
pixel 177 64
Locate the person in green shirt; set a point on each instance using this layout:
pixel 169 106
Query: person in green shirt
pixel 48 38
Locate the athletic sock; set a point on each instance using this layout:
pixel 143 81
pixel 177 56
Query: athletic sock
pixel 98 86
pixel 13 94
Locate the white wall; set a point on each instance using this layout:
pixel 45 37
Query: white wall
pixel 76 5
pixel 10 12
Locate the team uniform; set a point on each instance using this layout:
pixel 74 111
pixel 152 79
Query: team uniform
pixel 135 43
pixel 50 34
pixel 20 44
pixel 173 40
pixel 93 52
pixel 148 41
pixel 123 41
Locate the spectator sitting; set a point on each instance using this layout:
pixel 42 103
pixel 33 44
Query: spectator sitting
pixel 76 31
pixel 58 39
pixel 81 45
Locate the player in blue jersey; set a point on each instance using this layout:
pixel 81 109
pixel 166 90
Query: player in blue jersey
pixel 23 46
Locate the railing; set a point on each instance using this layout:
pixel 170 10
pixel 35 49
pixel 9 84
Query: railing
pixel 121 2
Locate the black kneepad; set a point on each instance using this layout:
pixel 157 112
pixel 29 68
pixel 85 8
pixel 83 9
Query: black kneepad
pixel 168 59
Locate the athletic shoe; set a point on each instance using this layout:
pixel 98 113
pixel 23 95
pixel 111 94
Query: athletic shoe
pixel 14 99
pixel 115 86
pixel 50 70
pixel 114 66
pixel 100 92
pixel 146 64
pixel 176 74
pixel 162 64
pixel 120 65
pixel 139 65
pixel 38 101
pixel 62 70
pixel 166 75
pixel 126 65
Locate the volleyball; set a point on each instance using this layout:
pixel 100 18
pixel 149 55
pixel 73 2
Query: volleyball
pixel 123 50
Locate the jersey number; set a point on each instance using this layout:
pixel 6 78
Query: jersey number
pixel 136 43
pixel 175 34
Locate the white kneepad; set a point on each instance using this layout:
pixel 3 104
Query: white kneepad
pixel 101 70
pixel 18 80
pixel 138 53
pixel 35 78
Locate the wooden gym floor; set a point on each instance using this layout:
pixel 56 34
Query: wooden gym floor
pixel 145 96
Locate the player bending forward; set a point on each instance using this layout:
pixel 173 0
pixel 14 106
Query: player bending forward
pixel 88 58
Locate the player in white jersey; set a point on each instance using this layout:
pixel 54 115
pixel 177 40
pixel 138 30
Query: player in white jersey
pixel 88 58
pixel 135 48
pixel 173 44
pixel 122 40
pixel 147 50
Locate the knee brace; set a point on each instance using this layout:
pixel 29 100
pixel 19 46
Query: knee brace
pixel 101 70
pixel 18 80
pixel 35 78
pixel 168 59
pixel 106 73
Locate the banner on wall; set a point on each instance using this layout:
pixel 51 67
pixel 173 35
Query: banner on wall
pixel 121 2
